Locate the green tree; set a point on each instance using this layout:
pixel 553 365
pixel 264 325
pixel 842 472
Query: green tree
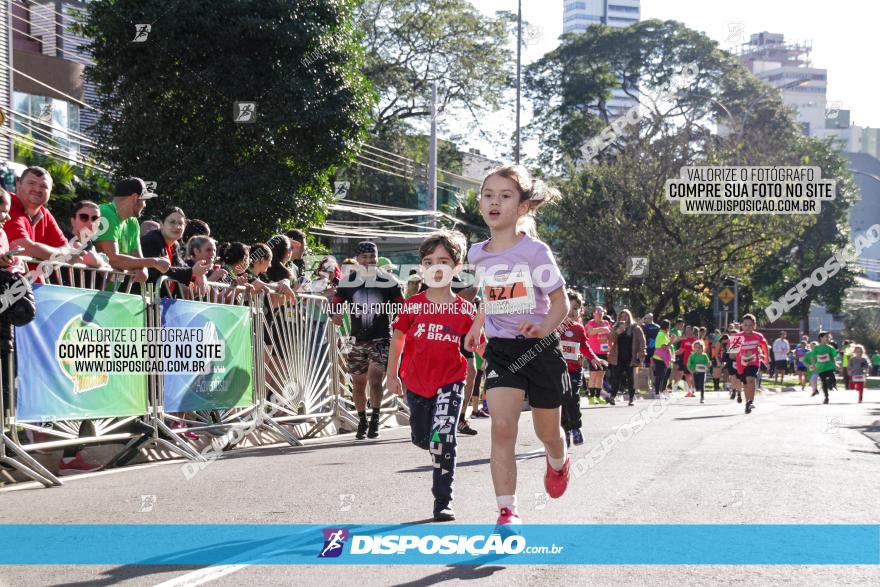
pixel 863 326
pixel 169 114
pixel 617 208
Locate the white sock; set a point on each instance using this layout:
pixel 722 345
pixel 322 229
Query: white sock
pixel 557 464
pixel 506 501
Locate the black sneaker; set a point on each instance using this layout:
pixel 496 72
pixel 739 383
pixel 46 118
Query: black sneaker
pixel 465 428
pixel 739 398
pixel 444 514
pixel 826 400
pixel 362 430
pixel 374 428
pixel 611 400
pixel 749 407
pixel 567 438
pixel 732 395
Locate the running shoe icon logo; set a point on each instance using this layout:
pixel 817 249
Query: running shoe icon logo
pixel 420 330
pixel 334 541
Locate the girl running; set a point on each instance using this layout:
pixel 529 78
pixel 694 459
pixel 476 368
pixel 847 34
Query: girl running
pixel 521 315
pixel 753 351
pixel 598 330
pixel 858 369
pixel 699 364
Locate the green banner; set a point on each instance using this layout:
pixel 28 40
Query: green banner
pixel 50 388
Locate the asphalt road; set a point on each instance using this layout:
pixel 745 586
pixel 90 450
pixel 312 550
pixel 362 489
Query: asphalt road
pixel 793 461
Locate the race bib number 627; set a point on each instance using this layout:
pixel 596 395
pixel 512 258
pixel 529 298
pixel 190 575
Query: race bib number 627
pixel 510 294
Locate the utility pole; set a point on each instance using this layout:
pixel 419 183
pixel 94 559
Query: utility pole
pixel 432 152
pixel 518 75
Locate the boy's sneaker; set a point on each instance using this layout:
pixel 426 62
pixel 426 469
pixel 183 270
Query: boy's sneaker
pixel 465 428
pixel 362 430
pixel 749 407
pixel 77 466
pixel 739 397
pixel 826 400
pixel 556 482
pixel 444 514
pixel 373 431
pixel 505 516
pixel 577 437
pixel 567 438
pixel 815 393
pixel 480 414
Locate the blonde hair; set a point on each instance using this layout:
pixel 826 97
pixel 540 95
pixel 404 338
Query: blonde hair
pixel 533 190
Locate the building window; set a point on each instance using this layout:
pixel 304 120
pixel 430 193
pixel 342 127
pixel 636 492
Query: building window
pixel 620 8
pixel 619 19
pixel 575 6
pixel 47 120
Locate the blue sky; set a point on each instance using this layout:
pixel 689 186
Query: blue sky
pixel 840 33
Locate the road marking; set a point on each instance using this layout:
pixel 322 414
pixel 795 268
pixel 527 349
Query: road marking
pixel 202 576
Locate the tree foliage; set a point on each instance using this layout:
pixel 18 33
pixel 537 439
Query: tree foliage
pixel 168 112
pixel 618 209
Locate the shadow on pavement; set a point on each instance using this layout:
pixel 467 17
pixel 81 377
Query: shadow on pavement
pixel 458 465
pixel 128 572
pixel 708 417
pixel 462 573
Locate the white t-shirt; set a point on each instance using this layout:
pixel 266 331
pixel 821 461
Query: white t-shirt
pixel 780 349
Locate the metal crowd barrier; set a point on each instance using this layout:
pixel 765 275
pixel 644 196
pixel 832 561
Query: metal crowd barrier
pixel 61 433
pixel 299 379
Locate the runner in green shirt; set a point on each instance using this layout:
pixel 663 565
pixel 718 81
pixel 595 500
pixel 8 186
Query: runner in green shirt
pixel 699 364
pixel 875 362
pixel 825 356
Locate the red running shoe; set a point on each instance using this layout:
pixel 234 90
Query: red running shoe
pixel 556 482
pixel 506 516
pixel 77 466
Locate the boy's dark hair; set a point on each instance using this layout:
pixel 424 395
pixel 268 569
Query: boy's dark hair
pixel 680 321
pixel 664 324
pixel 575 296
pixel 195 227
pixel 450 240
pixel 823 333
pixel 296 235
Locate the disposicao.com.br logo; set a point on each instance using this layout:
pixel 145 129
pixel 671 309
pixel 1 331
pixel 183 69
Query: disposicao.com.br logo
pixel 430 544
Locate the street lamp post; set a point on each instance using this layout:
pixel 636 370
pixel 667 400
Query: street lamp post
pixel 518 75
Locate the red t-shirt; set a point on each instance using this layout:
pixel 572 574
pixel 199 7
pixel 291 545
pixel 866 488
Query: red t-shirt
pixel 599 342
pixel 687 346
pixel 45 230
pixel 431 350
pixel 752 351
pixel 574 344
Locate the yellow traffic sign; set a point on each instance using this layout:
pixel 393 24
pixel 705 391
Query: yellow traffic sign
pixel 725 295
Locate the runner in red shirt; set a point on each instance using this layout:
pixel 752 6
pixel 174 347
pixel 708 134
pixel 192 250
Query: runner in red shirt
pixel 753 351
pixel 574 349
pixel 428 330
pixel 597 337
pixel 686 347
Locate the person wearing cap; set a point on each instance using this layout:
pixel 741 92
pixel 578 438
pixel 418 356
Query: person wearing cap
pixel 32 226
pixel 369 291
pixel 121 242
pixel 650 328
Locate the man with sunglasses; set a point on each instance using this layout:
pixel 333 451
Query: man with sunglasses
pixel 121 242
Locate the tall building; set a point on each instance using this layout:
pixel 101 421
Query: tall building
pixel 51 101
pixel 578 15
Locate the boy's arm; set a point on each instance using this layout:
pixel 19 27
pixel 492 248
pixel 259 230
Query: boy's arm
pixel 393 382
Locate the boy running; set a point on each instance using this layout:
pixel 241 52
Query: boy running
pixel 574 349
pixel 428 330
pixel 825 357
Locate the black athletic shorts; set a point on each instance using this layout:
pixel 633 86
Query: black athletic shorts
pixel 534 365
pixel 781 364
pixel 731 367
pixel 750 371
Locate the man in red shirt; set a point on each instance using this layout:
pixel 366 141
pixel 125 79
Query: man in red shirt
pixel 428 330
pixel 31 225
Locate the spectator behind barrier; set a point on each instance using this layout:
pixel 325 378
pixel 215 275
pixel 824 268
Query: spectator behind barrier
pixel 195 227
pixel 31 225
pixel 297 239
pixel 85 220
pixel 204 248
pixel 165 242
pixel 121 242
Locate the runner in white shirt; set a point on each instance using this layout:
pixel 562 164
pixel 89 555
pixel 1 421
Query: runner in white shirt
pixel 781 347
